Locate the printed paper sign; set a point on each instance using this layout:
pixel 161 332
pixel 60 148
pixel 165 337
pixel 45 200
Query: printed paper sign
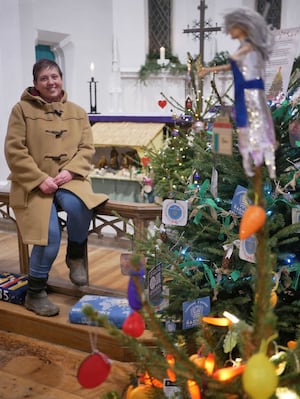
pixel 279 66
pixel 222 136
pixel 170 326
pixel 239 200
pixel 193 311
pixel 171 390
pixel 175 212
pixel 214 183
pixel 155 285
pixel 296 215
pixel 248 249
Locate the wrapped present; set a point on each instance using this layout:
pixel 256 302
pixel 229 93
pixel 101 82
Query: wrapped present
pixel 13 287
pixel 116 309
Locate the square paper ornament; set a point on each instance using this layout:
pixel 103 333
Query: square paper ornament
pixel 194 310
pixel 222 136
pixel 174 212
pixel 240 200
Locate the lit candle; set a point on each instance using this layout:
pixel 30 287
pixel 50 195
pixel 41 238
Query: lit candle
pixel 193 389
pixel 228 373
pixel 92 68
pixel 154 382
pixel 209 364
pixel 170 373
pixel 217 321
pixel 162 53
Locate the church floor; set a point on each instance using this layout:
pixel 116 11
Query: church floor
pixel 30 368
pixel 40 356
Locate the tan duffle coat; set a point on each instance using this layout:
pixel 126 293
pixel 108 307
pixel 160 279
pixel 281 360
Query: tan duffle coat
pixel 42 139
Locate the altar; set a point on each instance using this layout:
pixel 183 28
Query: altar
pixel 118 188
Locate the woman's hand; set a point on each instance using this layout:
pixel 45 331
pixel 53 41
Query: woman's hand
pixel 48 186
pixel 203 71
pixel 63 177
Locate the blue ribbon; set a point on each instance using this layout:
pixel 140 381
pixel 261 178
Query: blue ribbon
pixel 240 84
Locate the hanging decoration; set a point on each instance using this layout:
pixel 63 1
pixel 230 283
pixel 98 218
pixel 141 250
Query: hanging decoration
pixel 134 325
pixel 253 219
pixel 94 370
pixel 260 379
pixel 133 294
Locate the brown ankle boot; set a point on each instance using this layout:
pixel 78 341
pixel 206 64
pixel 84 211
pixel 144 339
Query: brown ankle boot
pixel 75 261
pixel 37 299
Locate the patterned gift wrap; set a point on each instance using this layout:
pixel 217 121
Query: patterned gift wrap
pixel 13 287
pixel 116 309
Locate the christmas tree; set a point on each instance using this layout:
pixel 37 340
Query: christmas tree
pixel 229 323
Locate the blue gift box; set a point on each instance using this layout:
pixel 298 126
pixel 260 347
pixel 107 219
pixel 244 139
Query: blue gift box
pixel 116 309
pixel 13 287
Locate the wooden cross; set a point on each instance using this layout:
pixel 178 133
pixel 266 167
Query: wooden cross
pixel 202 29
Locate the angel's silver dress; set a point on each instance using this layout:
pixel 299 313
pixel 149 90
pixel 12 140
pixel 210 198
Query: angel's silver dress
pixel 256 135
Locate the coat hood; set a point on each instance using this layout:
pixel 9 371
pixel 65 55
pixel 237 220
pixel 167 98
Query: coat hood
pixel 31 94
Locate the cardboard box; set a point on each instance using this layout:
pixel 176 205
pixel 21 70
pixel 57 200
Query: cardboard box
pixel 13 287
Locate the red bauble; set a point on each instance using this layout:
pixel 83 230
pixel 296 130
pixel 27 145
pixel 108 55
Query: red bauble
pixel 134 325
pixel 93 370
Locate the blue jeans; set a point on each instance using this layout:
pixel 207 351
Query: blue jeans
pixel 78 221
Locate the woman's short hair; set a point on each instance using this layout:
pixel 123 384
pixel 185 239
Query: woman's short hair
pixel 42 64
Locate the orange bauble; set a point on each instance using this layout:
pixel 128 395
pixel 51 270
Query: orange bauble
pixel 292 344
pixel 253 219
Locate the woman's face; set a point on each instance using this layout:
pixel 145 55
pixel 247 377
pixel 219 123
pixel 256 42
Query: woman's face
pixel 49 84
pixel 237 32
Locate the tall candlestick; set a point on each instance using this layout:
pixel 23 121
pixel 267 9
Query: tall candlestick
pixel 162 53
pixel 93 90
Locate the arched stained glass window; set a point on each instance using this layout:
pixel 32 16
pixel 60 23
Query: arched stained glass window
pixel 274 11
pixel 159 12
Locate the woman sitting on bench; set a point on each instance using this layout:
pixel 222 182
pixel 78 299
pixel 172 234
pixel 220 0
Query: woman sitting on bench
pixel 49 149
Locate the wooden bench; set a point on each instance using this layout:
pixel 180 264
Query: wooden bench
pixel 127 219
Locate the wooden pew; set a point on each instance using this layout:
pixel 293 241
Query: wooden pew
pixel 115 214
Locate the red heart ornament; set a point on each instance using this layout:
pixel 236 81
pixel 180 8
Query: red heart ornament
pixel 145 161
pixel 162 103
